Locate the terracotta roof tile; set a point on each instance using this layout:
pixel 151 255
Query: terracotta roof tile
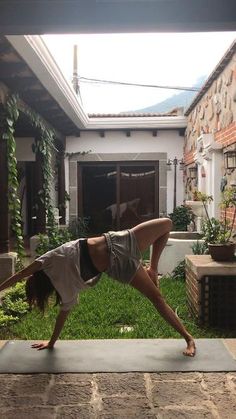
pixel 173 112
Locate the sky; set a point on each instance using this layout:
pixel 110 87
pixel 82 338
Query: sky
pixel 170 59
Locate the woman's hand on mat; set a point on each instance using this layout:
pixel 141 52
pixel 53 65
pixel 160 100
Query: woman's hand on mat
pixel 42 345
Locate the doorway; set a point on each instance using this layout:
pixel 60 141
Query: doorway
pixel 118 195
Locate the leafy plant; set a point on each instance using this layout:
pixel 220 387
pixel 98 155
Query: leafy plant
pixel 6 320
pixel 14 305
pixel 219 231
pixel 56 238
pixel 199 248
pixel 181 217
pixel 178 274
pixel 78 227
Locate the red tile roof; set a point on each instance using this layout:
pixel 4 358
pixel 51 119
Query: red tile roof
pixel 173 112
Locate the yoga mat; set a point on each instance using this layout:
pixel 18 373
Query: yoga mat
pixel 115 355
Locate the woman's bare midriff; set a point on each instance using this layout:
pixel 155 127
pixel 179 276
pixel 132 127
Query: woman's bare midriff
pixel 98 250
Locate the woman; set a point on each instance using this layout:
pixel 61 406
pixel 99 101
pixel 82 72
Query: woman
pixel 78 265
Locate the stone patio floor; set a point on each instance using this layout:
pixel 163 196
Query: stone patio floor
pixel 120 396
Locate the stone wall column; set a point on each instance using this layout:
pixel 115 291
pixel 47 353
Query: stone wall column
pixel 40 213
pixel 4 213
pixel 61 186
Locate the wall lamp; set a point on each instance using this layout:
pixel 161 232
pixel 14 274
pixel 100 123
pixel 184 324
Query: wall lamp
pixel 193 172
pixel 230 160
pixel 175 162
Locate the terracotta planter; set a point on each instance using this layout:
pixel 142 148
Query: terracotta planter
pixel 222 252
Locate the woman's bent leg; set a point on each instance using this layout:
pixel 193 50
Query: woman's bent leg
pixel 154 232
pixel 143 283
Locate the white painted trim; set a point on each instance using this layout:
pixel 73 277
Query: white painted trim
pixel 166 122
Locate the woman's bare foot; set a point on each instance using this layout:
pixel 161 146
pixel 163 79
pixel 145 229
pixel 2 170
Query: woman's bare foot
pixel 191 348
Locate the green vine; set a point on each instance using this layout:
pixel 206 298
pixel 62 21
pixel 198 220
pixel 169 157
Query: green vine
pixel 44 146
pixel 12 114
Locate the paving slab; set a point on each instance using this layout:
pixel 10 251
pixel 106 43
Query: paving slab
pixel 119 396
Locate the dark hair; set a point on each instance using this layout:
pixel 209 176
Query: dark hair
pixel 38 289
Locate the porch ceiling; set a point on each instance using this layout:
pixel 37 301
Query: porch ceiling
pixel 19 78
pixel 104 16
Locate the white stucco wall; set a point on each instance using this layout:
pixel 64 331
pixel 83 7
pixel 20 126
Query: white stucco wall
pixel 118 142
pixel 166 141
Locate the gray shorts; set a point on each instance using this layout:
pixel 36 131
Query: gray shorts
pixel 125 256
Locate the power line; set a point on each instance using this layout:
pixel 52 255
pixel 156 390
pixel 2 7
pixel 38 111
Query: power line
pixel 153 86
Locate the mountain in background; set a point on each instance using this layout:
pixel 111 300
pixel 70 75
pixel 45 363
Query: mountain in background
pixel 182 99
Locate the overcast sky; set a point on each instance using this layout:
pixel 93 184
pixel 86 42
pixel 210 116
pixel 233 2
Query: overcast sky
pixel 176 59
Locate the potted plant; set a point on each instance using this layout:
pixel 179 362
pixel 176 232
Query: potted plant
pixel 218 234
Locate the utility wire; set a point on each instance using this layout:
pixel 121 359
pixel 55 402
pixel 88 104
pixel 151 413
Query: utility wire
pixel 153 86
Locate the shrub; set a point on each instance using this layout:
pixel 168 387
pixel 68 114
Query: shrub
pixel 79 227
pixel 14 304
pixel 181 218
pixel 58 236
pixel 6 320
pixel 199 248
pixel 178 274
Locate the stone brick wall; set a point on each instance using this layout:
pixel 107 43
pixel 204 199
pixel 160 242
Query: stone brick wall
pixel 211 290
pixel 193 290
pixel 215 112
pixel 226 136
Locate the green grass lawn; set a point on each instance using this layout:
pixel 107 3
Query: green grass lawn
pixel 105 308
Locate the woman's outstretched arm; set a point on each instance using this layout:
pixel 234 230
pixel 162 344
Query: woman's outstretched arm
pixel 61 318
pixel 18 276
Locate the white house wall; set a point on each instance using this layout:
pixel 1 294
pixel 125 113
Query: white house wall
pixel 140 145
pixel 117 142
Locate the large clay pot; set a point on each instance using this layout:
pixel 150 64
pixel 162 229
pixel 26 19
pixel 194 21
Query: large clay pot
pixel 222 252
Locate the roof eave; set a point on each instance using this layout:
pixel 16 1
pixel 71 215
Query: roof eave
pixel 167 122
pixel 36 54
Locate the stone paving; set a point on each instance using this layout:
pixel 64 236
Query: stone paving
pixel 118 396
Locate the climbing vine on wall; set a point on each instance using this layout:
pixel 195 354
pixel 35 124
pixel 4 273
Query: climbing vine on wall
pixel 44 145
pixel 12 114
